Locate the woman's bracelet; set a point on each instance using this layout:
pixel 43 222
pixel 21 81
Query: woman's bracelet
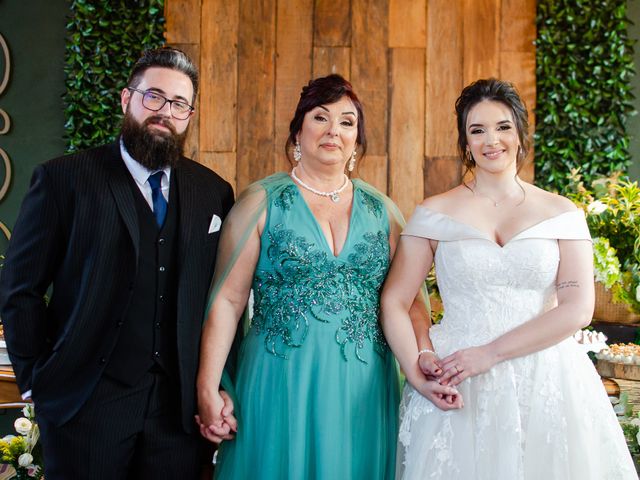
pixel 425 350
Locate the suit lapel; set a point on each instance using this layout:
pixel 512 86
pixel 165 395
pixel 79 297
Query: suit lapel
pixel 121 190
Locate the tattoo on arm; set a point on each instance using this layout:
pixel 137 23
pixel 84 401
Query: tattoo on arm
pixel 568 284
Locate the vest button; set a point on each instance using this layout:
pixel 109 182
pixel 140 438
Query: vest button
pixel 162 298
pixel 161 269
pixel 156 354
pixel 157 324
pixel 103 360
pixel 161 241
pixel 120 322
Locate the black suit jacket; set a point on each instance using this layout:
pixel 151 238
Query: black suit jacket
pixel 78 231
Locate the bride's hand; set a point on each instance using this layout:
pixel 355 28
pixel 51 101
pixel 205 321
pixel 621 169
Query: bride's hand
pixel 429 363
pixel 466 363
pixel 442 396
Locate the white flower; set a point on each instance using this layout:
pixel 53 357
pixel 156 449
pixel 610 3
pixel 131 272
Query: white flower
pixel 638 293
pixel 635 421
pixel 25 459
pixel 638 437
pixel 22 425
pixel 596 207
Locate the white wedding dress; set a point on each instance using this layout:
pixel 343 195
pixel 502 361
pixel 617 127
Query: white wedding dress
pixel 544 416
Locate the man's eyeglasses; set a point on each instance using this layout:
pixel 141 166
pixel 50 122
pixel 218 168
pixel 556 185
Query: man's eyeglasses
pixel 154 101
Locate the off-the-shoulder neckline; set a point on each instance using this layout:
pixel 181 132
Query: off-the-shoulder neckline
pixel 488 237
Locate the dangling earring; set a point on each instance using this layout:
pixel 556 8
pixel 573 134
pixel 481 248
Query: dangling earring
pixel 352 161
pixel 297 153
pixel 469 158
pixel 520 154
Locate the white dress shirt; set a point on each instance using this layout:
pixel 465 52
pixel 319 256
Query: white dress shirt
pixel 141 176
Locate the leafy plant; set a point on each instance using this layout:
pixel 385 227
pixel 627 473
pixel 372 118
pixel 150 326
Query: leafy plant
pixel 584 64
pixel 630 424
pixel 105 38
pixel 612 207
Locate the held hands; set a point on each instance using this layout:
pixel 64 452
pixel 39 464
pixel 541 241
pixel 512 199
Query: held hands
pixel 466 363
pixel 216 420
pixel 428 363
pixel 442 396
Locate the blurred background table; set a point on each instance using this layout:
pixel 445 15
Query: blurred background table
pixel 9 393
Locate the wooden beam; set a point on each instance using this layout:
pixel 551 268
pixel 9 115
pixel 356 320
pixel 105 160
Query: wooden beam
pixel 407 23
pixel 256 82
pixel 182 21
pixel 332 23
pixel 294 33
pixel 441 174
pixel 219 76
pixel 481 33
pixel 406 128
pixel 444 76
pixel 369 73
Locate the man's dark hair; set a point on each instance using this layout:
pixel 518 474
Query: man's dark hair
pixel 165 57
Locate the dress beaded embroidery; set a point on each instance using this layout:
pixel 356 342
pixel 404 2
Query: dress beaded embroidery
pixel 308 284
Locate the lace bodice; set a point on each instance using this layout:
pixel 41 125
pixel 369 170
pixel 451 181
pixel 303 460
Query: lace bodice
pixel 488 289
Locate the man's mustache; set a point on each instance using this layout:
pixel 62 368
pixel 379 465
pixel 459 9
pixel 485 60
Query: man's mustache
pixel 159 119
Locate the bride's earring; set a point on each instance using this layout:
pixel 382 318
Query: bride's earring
pixel 352 161
pixel 469 158
pixel 297 152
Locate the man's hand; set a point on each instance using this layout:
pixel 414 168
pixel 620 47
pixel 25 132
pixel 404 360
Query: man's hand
pixel 216 420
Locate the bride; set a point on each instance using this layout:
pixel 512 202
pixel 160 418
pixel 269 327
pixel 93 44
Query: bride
pixel 514 268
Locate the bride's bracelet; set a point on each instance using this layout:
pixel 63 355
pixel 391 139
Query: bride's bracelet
pixel 425 350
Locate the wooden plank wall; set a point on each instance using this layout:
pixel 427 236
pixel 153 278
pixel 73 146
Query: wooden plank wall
pixel 407 60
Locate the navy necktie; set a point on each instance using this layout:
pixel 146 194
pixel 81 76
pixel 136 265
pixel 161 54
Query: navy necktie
pixel 159 202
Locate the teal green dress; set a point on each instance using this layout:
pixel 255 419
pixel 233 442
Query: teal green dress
pixel 316 386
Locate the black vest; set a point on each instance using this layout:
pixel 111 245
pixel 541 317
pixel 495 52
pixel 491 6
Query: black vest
pixel 147 337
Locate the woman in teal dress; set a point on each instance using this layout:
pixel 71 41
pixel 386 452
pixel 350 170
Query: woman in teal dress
pixel 314 385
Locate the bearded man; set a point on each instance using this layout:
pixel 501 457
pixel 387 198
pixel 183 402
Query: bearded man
pixel 125 235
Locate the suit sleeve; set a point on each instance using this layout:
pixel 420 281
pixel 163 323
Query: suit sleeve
pixel 33 255
pixel 227 200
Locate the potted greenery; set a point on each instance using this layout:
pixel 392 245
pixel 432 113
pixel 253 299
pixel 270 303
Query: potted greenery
pixel 612 209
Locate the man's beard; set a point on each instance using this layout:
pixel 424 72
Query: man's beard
pixel 150 147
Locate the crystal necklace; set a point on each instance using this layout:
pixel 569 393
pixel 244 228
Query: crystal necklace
pixel 334 195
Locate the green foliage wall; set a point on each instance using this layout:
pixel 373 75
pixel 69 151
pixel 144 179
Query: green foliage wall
pixel 584 64
pixel 105 38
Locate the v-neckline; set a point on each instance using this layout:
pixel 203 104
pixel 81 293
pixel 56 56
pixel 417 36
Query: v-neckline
pixel 487 237
pixel 319 231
